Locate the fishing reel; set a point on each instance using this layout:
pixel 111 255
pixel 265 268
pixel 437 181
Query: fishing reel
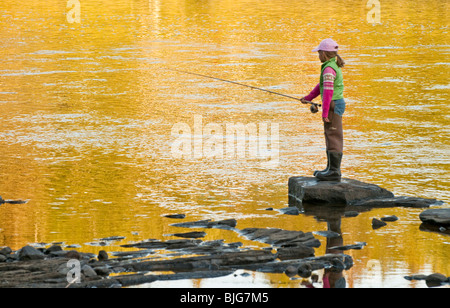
pixel 314 108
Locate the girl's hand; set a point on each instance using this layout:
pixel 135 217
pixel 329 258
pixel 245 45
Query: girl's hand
pixel 326 119
pixel 303 100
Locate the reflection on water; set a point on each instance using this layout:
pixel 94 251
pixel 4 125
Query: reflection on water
pixel 87 111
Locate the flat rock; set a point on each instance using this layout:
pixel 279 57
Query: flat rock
pixel 281 238
pixel 346 192
pixel 207 223
pixel 413 202
pixel 439 217
pixel 309 190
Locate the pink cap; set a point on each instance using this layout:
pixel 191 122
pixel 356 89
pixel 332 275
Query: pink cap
pixel 327 45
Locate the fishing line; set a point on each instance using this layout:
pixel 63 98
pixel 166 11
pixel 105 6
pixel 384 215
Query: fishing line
pixel 314 106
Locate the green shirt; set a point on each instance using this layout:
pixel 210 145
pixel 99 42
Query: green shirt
pixel 338 91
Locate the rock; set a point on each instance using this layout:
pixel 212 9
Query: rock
pixel 1 200
pixel 348 191
pixel 357 246
pixel 297 252
pixel 436 277
pixel 88 271
pixel 3 258
pixel 221 224
pixel 113 238
pixel 102 270
pixel 176 216
pixel 73 254
pixel 389 218
pixel 291 271
pixel 194 234
pixel 309 190
pixel 102 255
pixel 280 237
pixel 305 270
pixel 327 234
pixel 413 202
pixel 292 210
pixel 53 249
pixel 351 214
pixel 416 277
pixel 376 223
pixel 30 253
pixel 440 217
pixel 5 251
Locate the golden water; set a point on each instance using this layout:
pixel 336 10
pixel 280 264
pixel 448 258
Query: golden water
pixel 87 110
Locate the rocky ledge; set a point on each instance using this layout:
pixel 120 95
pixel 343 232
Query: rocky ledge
pixel 309 190
pixel 289 252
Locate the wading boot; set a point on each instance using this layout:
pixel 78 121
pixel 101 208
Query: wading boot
pixel 326 169
pixel 334 172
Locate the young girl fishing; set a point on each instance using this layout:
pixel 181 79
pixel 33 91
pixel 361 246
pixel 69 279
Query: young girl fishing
pixel 331 89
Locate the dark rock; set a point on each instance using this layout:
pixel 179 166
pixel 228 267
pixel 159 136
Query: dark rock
pixel 3 258
pixel 416 277
pixel 102 270
pixel 291 271
pixel 351 214
pixel 292 210
pixel 297 252
pixel 357 246
pixel 170 245
pixel 176 216
pixel 88 271
pixel 30 253
pixel 102 255
pixel 52 249
pixel 221 224
pixel 73 254
pixel 327 234
pixel 305 270
pixel 413 202
pixel 194 234
pixel 280 237
pixel 113 238
pixel 376 223
pixel 1 200
pixel 390 218
pixel 436 277
pixel 5 251
pixel 311 190
pixel 439 217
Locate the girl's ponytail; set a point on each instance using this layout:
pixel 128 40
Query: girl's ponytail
pixel 339 61
pixel 331 54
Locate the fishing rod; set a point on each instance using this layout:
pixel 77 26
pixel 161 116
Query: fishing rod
pixel 314 106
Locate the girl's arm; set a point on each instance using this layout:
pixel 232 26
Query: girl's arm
pixel 313 94
pixel 329 75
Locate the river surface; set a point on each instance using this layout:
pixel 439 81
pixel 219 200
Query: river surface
pixel 91 115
